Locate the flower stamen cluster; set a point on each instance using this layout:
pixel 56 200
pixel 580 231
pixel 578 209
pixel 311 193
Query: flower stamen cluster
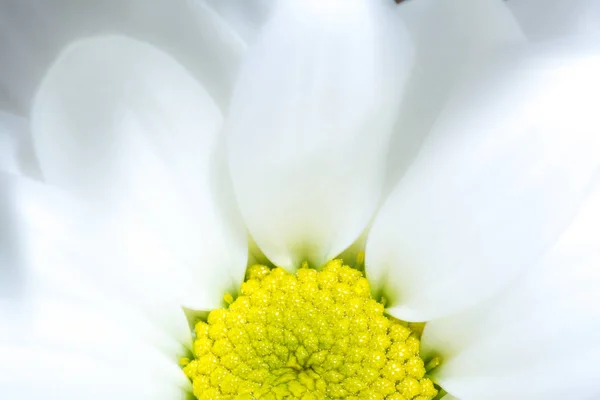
pixel 312 335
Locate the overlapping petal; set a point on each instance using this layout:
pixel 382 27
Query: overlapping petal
pixel 16 157
pixel 310 119
pixel 538 339
pixel 16 149
pixel 246 17
pixel 542 19
pixel 10 272
pixel 448 36
pixel 33 32
pixel 506 168
pixel 122 125
pixel 78 349
pixel 77 250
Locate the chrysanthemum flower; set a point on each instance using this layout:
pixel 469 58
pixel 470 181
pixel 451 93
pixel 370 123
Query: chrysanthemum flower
pixel 283 217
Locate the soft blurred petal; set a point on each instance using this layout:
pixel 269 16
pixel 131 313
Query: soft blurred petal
pixel 33 32
pixel 539 339
pixel 541 19
pixel 507 166
pixel 73 376
pixel 310 119
pixel 10 253
pixel 16 150
pixel 61 244
pixel 68 348
pixel 246 17
pixel 448 36
pixel 141 138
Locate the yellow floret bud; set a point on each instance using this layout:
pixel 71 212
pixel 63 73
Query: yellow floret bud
pixel 314 335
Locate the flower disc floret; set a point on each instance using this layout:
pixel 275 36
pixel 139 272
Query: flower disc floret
pixel 312 335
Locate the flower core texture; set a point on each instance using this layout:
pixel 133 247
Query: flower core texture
pixel 309 335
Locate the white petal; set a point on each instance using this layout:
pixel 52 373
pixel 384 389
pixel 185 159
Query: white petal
pixel 72 377
pixel 11 252
pixel 245 16
pixel 16 149
pixel 141 137
pixel 75 250
pixel 506 167
pixel 309 124
pixel 67 349
pixel 448 36
pixel 33 32
pixel 537 340
pixel 550 18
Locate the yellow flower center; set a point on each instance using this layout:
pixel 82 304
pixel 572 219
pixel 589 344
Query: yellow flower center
pixel 312 335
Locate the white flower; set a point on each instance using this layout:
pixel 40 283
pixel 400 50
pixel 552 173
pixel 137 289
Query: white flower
pixel 153 174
